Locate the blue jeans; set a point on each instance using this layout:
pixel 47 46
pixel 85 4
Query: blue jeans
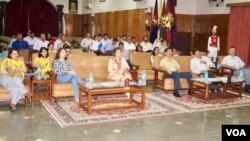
pixel 176 76
pixel 74 79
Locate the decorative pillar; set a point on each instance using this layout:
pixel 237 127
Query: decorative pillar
pixel 3 6
pixel 60 18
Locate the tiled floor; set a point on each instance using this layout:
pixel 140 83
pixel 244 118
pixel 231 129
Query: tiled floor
pixel 34 123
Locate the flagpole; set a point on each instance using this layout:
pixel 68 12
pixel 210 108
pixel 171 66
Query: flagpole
pixel 159 16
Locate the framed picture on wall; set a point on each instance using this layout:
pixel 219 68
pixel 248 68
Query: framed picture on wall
pixel 101 0
pixel 73 6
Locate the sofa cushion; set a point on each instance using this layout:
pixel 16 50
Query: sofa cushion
pixel 169 83
pixel 143 60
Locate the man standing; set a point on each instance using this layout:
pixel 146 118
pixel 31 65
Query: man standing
pixel 172 67
pixel 213 45
pixel 234 62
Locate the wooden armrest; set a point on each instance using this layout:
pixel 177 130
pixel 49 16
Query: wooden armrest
pixel 53 76
pixel 134 67
pixel 160 70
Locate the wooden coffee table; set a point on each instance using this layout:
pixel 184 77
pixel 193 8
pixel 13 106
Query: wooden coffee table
pixel 41 96
pixel 200 88
pixel 100 89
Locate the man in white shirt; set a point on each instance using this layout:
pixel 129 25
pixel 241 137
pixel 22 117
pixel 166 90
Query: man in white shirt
pixel 161 43
pixel 200 64
pixel 63 42
pixel 86 42
pixel 234 62
pixel 146 45
pixel 129 45
pixel 31 39
pixel 96 45
pixel 42 42
pixel 58 41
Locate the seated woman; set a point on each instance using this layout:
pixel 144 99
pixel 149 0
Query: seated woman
pixel 12 75
pixel 65 72
pixel 154 54
pixel 118 67
pixel 138 49
pixel 42 61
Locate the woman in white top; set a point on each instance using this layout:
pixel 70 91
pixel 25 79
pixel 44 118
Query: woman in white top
pixel 118 67
pixel 156 52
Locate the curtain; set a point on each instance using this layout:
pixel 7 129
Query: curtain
pixel 36 15
pixel 239 31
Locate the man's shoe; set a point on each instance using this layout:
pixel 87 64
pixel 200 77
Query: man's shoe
pixel 178 95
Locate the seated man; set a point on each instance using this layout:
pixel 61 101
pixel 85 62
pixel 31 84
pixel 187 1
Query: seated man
pixel 200 64
pixel 234 62
pixel 20 43
pixel 173 68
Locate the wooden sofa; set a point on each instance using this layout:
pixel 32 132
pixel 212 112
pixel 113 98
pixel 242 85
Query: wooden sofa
pixel 140 62
pixel 4 93
pixel 167 84
pixel 83 65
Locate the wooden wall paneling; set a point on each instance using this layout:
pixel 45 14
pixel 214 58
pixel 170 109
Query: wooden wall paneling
pixel 203 26
pixel 142 26
pixel 102 22
pixel 222 22
pixel 203 23
pixel 84 25
pixel 77 25
pixel 97 24
pixel 130 23
pixel 107 22
pixel 111 24
pixel 120 23
pixel 68 24
pixel 125 22
pixel 115 23
pixel 136 24
pixel 89 23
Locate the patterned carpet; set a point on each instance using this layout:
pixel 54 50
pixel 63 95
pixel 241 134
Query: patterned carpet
pixel 66 112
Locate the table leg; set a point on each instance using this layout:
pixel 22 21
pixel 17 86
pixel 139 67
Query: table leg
pixel 206 91
pixel 192 88
pixel 89 103
pixel 142 98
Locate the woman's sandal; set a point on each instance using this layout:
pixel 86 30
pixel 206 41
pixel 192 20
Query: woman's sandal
pixel 13 107
pixel 28 97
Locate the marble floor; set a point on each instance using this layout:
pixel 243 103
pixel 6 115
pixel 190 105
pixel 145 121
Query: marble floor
pixel 34 123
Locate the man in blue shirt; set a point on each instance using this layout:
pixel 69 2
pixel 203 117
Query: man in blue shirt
pixel 20 43
pixel 106 44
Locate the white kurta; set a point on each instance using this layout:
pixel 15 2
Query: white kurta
pixel 196 65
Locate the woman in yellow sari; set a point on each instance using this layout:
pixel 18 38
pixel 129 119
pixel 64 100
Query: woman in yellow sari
pixel 42 61
pixel 12 75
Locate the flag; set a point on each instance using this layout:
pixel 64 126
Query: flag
pixel 171 31
pixel 154 26
pixel 162 28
